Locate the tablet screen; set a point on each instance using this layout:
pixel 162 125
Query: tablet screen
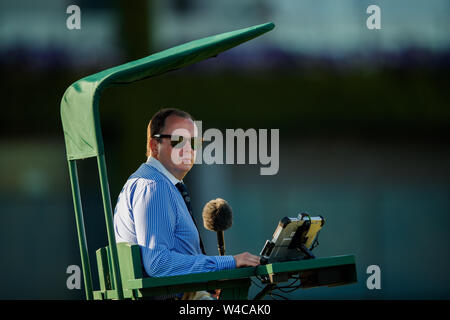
pixel 293 239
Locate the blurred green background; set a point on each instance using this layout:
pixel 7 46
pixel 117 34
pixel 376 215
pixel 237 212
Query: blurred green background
pixel 363 118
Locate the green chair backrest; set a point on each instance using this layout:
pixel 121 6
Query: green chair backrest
pixel 130 265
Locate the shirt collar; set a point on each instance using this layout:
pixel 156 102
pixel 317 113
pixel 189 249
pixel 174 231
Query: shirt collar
pixel 155 163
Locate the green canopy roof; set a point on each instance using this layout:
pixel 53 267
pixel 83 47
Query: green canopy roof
pixel 79 105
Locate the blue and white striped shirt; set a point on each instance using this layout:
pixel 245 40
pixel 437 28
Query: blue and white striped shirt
pixel 151 212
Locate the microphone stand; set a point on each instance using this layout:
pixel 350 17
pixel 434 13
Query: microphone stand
pixel 221 248
pixel 220 243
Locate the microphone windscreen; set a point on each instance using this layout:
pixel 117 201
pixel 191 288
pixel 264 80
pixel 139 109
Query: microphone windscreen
pixel 217 215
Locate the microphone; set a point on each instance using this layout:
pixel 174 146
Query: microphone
pixel 218 217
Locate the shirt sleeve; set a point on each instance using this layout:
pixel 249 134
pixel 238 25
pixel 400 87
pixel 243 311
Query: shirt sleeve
pixel 155 221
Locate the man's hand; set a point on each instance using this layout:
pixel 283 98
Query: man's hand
pixel 246 260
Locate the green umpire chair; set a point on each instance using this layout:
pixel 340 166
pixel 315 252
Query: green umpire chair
pixel 120 267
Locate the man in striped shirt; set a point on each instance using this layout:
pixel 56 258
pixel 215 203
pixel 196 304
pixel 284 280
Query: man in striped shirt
pixel 152 212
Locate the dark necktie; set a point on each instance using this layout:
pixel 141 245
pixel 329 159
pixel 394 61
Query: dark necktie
pixel 187 200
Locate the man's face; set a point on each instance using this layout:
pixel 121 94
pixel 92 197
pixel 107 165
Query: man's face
pixel 177 160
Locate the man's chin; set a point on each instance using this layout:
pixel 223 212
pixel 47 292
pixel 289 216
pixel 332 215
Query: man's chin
pixel 185 166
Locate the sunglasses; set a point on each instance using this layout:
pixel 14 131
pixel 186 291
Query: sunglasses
pixel 179 141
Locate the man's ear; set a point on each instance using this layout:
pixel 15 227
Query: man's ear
pixel 154 147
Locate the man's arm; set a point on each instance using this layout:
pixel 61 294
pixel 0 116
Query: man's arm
pixel 155 222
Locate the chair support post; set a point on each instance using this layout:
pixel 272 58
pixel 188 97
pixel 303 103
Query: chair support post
pixel 109 225
pixel 85 264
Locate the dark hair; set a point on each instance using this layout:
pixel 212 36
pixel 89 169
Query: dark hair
pixel 158 121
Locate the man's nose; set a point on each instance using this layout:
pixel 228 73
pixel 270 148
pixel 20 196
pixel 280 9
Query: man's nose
pixel 187 147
